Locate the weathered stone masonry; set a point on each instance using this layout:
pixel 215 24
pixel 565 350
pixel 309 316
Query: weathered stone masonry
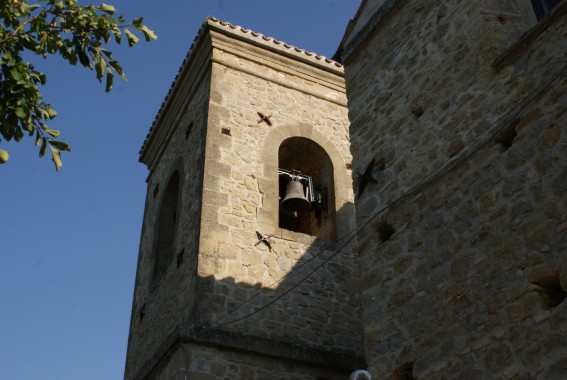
pixel 229 192
pixel 464 272
pixel 461 272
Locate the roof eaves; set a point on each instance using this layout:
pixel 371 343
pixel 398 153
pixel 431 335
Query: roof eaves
pixel 211 21
pixel 165 102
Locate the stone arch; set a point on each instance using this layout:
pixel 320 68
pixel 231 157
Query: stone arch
pixel 269 187
pixel 305 157
pixel 167 221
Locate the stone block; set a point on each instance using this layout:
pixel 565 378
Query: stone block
pixel 216 168
pixel 214 198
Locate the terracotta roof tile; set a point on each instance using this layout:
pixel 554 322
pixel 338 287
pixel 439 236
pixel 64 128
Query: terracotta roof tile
pixel 266 38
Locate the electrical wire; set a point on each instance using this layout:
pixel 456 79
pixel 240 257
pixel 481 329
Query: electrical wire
pixel 434 176
pixel 295 269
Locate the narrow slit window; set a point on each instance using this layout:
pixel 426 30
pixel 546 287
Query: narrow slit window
pixel 167 226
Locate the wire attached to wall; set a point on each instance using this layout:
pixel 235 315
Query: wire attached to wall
pixel 446 167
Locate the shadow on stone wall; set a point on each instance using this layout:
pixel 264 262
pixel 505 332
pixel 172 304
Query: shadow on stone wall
pixel 311 314
pixel 314 304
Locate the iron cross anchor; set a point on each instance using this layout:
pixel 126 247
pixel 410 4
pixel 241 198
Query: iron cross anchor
pixel 264 118
pixel 265 239
pixel 364 178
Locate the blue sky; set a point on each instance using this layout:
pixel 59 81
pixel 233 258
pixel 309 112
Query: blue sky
pixel 69 240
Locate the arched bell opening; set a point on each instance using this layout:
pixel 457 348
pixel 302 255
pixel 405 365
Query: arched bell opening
pixel 306 188
pixel 167 227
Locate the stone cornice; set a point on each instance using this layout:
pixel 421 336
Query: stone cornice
pixel 273 348
pixel 198 59
pixel 330 82
pixel 272 44
pixel 250 344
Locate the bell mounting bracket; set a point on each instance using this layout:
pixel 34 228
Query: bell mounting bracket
pixel 313 194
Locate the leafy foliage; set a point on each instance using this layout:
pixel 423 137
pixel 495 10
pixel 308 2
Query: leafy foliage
pixel 78 34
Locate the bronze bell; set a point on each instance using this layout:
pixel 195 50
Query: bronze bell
pixel 295 200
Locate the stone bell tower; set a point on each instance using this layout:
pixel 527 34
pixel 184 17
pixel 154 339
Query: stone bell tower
pixel 244 269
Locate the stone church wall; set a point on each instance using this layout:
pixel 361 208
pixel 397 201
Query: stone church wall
pixel 463 272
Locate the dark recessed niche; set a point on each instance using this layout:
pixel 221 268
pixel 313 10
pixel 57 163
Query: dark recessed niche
pixel 385 230
pixel 142 312
pixel 506 137
pixel 404 372
pixel 180 258
pixel 417 110
pixel 166 227
pixel 156 190
pixel 188 130
pixel 550 291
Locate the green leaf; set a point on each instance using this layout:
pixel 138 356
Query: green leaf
pixel 148 33
pixel 4 156
pixel 52 132
pixel 117 34
pixel 43 147
pixel 29 126
pixel 137 22
pixel 100 65
pixel 132 38
pixel 56 158
pixel 116 66
pixel 20 112
pixel 51 112
pixel 8 57
pixel 79 34
pixel 43 114
pixel 83 57
pixel 18 134
pixel 24 7
pixel 109 80
pixel 107 54
pixel 106 8
pixel 16 74
pixel 60 145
